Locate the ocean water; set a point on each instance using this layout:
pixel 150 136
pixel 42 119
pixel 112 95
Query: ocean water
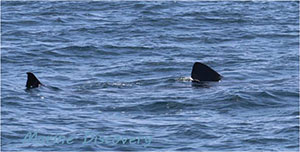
pixel 117 76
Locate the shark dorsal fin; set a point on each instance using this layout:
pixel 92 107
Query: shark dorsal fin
pixel 32 81
pixel 202 72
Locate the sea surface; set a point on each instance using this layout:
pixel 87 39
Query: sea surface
pixel 120 71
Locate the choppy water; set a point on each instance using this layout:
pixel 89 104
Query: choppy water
pixel 123 68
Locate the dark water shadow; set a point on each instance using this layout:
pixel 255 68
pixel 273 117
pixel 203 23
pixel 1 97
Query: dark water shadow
pixel 201 84
pixel 205 84
pixel 43 87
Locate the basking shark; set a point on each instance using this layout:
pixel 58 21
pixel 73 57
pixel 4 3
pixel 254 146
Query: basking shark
pixel 200 73
pixel 32 81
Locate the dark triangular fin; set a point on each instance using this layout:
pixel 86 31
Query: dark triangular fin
pixel 202 72
pixel 32 81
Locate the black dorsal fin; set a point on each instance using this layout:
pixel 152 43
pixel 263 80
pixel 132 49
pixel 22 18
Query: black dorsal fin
pixel 202 72
pixel 32 81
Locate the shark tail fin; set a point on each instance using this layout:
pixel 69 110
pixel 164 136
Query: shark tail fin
pixel 32 81
pixel 202 72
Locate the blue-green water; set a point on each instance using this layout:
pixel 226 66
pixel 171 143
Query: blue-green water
pixel 122 69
